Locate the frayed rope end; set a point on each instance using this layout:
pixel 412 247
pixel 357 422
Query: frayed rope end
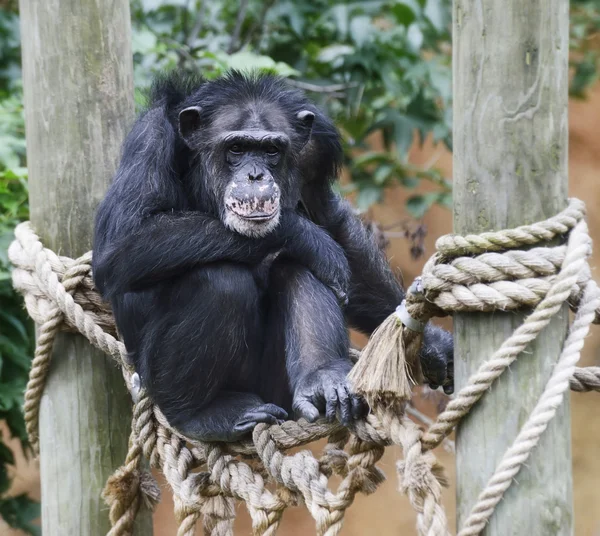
pixel 124 485
pixel 389 366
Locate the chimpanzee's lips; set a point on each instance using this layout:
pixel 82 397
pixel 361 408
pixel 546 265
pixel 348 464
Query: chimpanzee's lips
pixel 258 216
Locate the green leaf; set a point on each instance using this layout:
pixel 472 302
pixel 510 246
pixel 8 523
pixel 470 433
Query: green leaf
pixel 340 15
pixel 405 12
pixel 6 455
pixel 438 14
pixel 248 61
pixel 15 353
pixel 19 512
pixel 11 395
pixel 16 323
pixel 142 41
pixel 586 73
pixel 333 52
pixel 16 425
pixel 4 479
pixel 360 29
pixel 370 157
pixel 414 37
pixel 409 182
pixel 368 196
pixel 418 205
pixel 445 200
pixel 382 174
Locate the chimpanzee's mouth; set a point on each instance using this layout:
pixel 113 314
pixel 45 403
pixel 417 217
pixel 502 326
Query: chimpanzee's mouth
pixel 259 217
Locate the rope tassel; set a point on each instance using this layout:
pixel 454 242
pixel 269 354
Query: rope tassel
pixel 389 366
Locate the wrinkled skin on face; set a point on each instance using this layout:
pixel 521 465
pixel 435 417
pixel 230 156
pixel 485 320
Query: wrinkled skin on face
pixel 251 162
pixel 252 197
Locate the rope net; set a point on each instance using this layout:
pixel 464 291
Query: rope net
pixel 486 272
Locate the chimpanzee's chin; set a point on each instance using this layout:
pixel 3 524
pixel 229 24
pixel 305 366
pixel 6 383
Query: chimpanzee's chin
pixel 253 227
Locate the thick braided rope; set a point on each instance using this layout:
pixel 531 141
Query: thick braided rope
pixel 27 250
pixel 525 235
pixel 419 474
pixel 127 489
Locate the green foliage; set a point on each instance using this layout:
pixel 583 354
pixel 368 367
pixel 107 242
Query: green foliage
pixel 16 329
pixel 381 69
pixel 10 50
pixel 585 43
pixel 19 512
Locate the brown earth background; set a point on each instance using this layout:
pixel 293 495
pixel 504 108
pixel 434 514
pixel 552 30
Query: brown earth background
pixel 387 512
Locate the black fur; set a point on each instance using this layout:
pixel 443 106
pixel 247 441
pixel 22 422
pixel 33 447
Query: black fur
pixel 228 330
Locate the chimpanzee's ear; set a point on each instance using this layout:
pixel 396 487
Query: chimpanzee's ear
pixel 306 119
pixel 189 122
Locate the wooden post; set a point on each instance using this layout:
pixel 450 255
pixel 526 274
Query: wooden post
pixel 510 168
pixel 78 82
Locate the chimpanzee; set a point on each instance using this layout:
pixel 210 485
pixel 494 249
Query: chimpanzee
pixel 232 268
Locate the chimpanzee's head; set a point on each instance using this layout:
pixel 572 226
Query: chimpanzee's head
pixel 246 133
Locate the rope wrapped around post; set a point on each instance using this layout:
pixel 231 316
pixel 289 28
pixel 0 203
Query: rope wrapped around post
pixel 467 273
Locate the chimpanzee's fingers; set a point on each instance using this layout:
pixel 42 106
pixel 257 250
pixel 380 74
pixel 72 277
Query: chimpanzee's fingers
pixel 345 405
pixel 305 408
pixel 331 403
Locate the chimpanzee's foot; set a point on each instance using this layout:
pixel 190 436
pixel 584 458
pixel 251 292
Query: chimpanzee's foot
pixel 229 417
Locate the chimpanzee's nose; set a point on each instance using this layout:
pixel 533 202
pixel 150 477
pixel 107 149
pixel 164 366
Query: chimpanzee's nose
pixel 255 175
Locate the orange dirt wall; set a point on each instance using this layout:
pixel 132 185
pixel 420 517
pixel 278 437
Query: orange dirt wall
pixel 387 512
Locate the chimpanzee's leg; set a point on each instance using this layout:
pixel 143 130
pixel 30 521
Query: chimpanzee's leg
pixel 307 334
pixel 201 351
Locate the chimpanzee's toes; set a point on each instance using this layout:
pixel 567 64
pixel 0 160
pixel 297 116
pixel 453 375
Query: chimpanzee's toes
pixel 266 413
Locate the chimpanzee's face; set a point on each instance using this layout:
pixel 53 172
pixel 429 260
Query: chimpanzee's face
pixel 255 160
pixel 252 165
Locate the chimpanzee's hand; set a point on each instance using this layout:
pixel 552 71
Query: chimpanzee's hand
pixel 437 358
pixel 313 247
pixel 326 391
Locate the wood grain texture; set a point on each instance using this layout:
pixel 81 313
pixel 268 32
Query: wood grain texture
pixel 510 62
pixel 78 81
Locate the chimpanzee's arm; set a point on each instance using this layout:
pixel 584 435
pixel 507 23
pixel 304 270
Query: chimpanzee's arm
pixel 374 290
pixel 167 244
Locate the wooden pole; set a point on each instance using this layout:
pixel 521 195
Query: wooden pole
pixel 510 168
pixel 78 82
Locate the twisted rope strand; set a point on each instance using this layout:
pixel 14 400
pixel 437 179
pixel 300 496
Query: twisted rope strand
pixel 525 235
pixel 543 413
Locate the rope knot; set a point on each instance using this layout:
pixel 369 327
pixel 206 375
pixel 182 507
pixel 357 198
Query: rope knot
pixel 417 475
pixel 125 492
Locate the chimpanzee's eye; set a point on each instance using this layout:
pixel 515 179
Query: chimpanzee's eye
pixel 235 149
pixel 272 150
